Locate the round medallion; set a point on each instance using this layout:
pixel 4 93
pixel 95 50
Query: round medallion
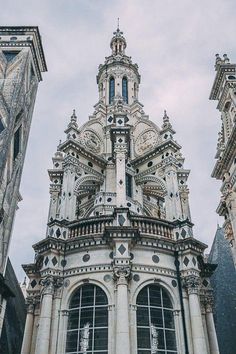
pixel 155 258
pixel 86 258
pixel 174 283
pixel 91 141
pixel 66 283
pixel 136 277
pixel 146 141
pixel 107 278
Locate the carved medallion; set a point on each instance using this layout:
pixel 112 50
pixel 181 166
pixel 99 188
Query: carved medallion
pixel 91 141
pixel 146 141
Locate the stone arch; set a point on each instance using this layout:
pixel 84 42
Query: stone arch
pixel 96 180
pixel 160 283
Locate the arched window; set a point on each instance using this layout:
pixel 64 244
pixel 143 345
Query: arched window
pixel 111 89
pixel 155 321
pixel 87 330
pixel 125 89
pixel 135 90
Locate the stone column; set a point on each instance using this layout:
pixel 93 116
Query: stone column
pixel 213 342
pixel 29 325
pixel 55 316
pixel 192 283
pixel 61 342
pixel 121 275
pixel 43 337
pixel 188 322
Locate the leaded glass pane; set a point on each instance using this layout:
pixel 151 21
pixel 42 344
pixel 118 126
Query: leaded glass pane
pixel 155 322
pixel 87 330
pixel 71 343
pixel 143 316
pixel 143 338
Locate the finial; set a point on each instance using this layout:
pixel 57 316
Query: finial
pixel 73 117
pixel 166 119
pixel 226 59
pixel 118 24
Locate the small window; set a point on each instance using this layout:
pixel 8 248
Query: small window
pixel 17 143
pixel 125 89
pixel 128 185
pixel 111 89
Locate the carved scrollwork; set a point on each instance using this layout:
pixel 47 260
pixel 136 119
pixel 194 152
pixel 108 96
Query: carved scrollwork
pixel 50 283
pixel 122 273
pixel 192 284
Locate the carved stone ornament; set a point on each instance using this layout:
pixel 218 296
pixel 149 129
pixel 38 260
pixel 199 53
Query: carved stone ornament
pixel 91 141
pixel 51 283
pixel 229 235
pixel 146 141
pixel 207 300
pixel 29 304
pixel 122 273
pixel 192 283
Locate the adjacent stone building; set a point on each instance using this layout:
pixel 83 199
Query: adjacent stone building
pixel 224 91
pixel 223 282
pixel 119 270
pixel 21 64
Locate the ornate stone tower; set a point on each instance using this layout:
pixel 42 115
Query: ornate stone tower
pixel 21 63
pixel 224 91
pixel 119 270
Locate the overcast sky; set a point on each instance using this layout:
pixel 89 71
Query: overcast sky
pixel 174 44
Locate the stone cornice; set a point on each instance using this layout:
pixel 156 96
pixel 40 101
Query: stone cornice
pixel 224 69
pixel 35 44
pixel 157 149
pixel 71 143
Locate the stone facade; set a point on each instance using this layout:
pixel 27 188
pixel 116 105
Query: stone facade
pixel 21 64
pixel 119 231
pixel 224 91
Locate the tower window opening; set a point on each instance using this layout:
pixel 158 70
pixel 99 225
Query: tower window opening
pixel 135 90
pixel 125 89
pixel 128 180
pixel 17 143
pixel 155 321
pixel 111 89
pixel 87 329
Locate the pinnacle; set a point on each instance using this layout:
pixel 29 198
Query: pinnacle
pixel 73 117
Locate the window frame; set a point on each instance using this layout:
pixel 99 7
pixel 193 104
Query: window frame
pixel 164 327
pixel 81 310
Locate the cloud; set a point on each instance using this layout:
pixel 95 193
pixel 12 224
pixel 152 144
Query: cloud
pixel 173 42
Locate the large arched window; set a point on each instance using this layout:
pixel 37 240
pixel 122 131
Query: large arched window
pixel 111 89
pixel 155 321
pixel 125 89
pixel 87 330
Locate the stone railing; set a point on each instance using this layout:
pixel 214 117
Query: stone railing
pixel 152 226
pixel 90 226
pixel 145 225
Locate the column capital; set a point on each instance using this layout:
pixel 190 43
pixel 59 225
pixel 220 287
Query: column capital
pixel 50 284
pixel 122 274
pixel 207 300
pixel 30 304
pixel 192 284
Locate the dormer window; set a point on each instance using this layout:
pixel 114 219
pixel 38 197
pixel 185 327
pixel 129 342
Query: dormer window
pixel 125 89
pixel 111 89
